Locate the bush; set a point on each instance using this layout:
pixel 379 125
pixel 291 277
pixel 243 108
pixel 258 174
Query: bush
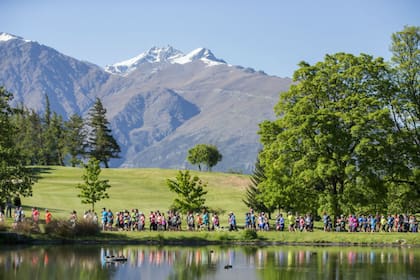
pixel 86 228
pixel 27 226
pixel 64 228
pixel 61 228
pixel 250 234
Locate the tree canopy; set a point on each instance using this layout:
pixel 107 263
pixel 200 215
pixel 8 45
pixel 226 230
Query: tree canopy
pixel 331 134
pixel 346 137
pixel 205 154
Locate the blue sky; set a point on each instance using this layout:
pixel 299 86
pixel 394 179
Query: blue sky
pixel 273 36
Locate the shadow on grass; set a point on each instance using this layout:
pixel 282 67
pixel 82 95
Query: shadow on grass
pixel 37 171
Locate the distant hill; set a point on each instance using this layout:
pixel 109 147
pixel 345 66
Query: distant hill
pixel 160 103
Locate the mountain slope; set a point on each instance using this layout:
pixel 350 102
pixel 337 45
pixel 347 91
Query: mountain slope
pixel 160 105
pixel 31 70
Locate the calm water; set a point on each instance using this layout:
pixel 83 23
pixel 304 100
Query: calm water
pixel 152 262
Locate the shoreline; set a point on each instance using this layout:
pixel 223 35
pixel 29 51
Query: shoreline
pixel 157 239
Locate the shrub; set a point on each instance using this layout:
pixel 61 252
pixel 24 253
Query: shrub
pixel 86 228
pixel 27 226
pixel 64 228
pixel 60 228
pixel 250 234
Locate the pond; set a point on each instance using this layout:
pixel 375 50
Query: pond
pixel 209 262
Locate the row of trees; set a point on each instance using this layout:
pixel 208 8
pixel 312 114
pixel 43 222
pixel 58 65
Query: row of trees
pixel 29 138
pixel 347 136
pixel 49 140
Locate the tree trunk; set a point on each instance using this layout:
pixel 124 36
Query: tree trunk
pixel 334 201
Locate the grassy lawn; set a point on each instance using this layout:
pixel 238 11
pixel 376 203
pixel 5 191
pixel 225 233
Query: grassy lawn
pixel 144 189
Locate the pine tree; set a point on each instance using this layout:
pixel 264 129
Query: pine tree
pixel 102 144
pixel 75 139
pixel 253 194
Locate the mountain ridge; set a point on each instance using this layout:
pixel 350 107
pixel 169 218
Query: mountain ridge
pixel 158 110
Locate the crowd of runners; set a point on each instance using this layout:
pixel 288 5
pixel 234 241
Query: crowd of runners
pixel 136 220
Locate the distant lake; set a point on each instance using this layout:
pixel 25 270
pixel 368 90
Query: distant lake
pixel 209 262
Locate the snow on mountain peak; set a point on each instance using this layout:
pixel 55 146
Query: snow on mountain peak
pixel 153 55
pixel 7 37
pixel 164 55
pixel 202 54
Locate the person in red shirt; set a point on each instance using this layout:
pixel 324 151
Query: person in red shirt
pixel 48 216
pixel 35 215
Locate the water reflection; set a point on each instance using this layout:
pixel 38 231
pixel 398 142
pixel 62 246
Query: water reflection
pixel 151 262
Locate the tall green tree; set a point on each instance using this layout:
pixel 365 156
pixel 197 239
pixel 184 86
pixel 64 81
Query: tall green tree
pixel 404 102
pixel 253 195
pixel 15 178
pixel 93 189
pixel 28 136
pixel 190 192
pixel 205 154
pixel 102 145
pixel 49 143
pixel 331 136
pixel 75 140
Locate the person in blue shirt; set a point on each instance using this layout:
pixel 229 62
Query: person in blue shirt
pixel 373 222
pixel 232 221
pixel 104 218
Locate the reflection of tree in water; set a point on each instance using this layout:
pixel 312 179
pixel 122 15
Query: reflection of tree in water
pixel 86 262
pixel 52 262
pixel 194 263
pixel 337 263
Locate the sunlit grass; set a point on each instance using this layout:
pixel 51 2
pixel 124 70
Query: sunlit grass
pixel 144 189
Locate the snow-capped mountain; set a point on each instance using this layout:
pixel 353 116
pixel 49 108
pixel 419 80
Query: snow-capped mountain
pixel 164 55
pixel 156 116
pixel 4 37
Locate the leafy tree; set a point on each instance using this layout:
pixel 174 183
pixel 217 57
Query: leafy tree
pixel 253 197
pixel 15 178
pixel 102 144
pixel 331 135
pixel 190 192
pixel 75 139
pixel 404 102
pixel 204 154
pixel 93 189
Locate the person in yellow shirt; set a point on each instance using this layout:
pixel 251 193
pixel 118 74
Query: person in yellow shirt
pixel 383 223
pixel 291 220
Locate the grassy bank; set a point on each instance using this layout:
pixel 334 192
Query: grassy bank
pixel 240 237
pixel 273 237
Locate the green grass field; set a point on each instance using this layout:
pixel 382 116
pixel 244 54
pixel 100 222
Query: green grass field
pixel 144 189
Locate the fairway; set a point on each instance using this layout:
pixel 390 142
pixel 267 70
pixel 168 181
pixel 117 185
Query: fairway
pixel 144 189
